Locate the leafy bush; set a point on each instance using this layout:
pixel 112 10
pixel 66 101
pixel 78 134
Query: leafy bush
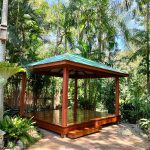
pixel 145 126
pixel 128 112
pixel 16 129
pixel 135 110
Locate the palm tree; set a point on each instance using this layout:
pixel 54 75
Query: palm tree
pixel 6 71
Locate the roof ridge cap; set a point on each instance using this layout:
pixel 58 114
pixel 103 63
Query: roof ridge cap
pixel 67 56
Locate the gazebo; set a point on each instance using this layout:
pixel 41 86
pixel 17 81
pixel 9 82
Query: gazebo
pixel 75 67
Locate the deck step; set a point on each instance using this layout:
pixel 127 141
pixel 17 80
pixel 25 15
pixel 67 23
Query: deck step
pixel 78 133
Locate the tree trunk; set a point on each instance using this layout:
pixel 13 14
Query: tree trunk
pixel 148 50
pixel 4 13
pixel 85 94
pixel 56 102
pixel 2 51
pixel 2 58
pixel 66 45
pixel 1 102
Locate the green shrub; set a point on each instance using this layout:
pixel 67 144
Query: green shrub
pixel 128 112
pixel 133 110
pixel 145 126
pixel 16 129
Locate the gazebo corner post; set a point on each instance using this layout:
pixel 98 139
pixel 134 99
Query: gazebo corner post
pixel 65 96
pixel 117 96
pixel 22 95
pixel 75 99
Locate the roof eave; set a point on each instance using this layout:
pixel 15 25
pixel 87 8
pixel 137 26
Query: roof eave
pixel 71 64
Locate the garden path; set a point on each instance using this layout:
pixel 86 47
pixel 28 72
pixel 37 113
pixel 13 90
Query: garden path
pixel 113 137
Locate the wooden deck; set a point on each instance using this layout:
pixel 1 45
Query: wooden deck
pixel 51 120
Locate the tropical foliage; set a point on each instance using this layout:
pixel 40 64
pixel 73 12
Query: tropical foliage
pixel 115 33
pixel 16 129
pixel 7 70
pixel 145 125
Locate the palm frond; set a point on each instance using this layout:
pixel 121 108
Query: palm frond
pixel 7 70
pixel 140 52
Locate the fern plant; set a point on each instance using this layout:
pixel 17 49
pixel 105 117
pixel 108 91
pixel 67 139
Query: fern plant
pixel 16 129
pixel 145 125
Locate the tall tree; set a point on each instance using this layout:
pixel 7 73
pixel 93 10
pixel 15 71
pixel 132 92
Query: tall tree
pixel 148 44
pixel 3 38
pixel 27 28
pixel 141 37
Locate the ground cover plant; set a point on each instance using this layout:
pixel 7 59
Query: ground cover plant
pixel 145 125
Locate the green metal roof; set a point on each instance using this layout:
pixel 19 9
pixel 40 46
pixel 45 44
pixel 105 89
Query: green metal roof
pixel 74 58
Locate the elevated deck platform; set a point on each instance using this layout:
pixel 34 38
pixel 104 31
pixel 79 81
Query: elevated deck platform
pixel 82 122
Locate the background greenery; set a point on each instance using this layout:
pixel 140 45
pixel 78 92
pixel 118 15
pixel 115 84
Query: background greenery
pixel 92 29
